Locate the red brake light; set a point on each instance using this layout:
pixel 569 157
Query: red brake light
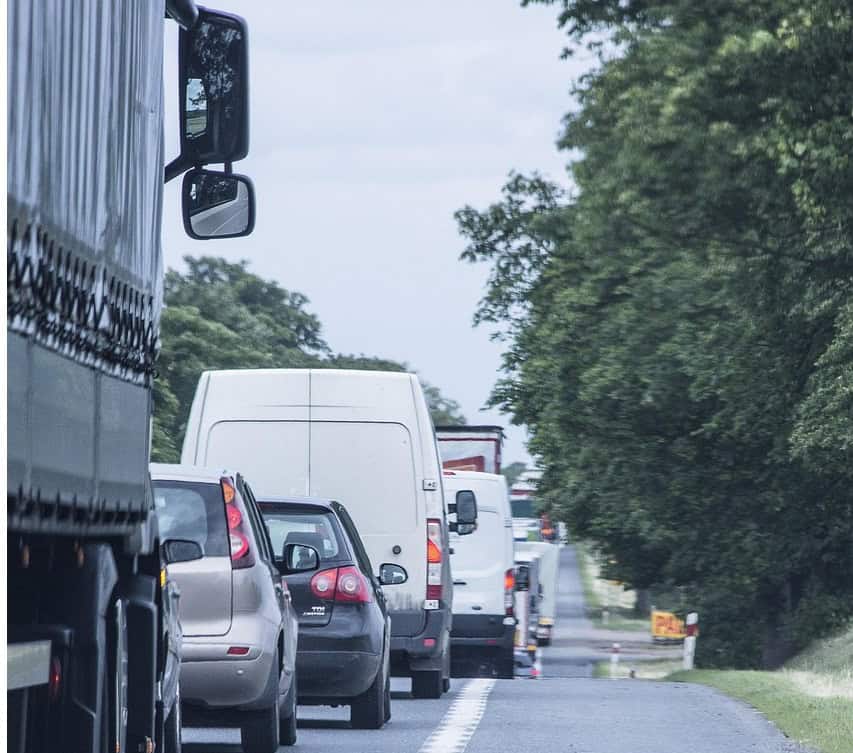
pixel 238 650
pixel 434 547
pixel 351 586
pixel 509 588
pixel 54 683
pixel 323 584
pixel 241 554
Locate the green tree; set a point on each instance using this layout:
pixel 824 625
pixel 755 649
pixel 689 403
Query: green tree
pixel 678 327
pixel 219 315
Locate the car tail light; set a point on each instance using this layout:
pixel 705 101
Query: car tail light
pixel 323 584
pixel 241 553
pixel 434 586
pixel 351 586
pixel 509 589
pixel 54 682
pixel 341 584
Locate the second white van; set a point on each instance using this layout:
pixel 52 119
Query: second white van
pixel 482 565
pixel 364 438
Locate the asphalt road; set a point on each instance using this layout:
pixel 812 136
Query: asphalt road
pixel 566 710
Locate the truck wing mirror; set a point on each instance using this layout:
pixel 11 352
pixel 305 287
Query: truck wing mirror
pixel 217 205
pixel 213 88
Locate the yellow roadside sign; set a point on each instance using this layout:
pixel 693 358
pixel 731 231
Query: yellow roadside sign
pixel 667 625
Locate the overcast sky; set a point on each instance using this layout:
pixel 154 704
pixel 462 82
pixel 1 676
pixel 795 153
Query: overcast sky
pixel 371 123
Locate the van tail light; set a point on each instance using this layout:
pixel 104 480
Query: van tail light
pixel 341 584
pixel 241 553
pixel 434 555
pixel 509 590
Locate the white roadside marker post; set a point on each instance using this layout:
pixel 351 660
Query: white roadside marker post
pixel 692 626
pixel 614 659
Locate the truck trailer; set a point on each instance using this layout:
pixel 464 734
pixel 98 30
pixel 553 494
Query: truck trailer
pixel 93 641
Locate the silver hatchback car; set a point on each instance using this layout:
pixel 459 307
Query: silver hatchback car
pixel 239 626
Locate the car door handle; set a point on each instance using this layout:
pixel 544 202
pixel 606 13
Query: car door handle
pixel 460 583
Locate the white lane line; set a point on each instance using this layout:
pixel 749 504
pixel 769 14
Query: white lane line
pixel 461 720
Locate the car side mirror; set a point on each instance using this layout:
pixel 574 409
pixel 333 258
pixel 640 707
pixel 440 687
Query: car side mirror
pixel 181 550
pixel 214 89
pixel 522 579
pixel 217 205
pixel 391 574
pixel 298 558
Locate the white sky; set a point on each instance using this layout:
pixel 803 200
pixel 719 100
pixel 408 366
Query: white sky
pixel 371 123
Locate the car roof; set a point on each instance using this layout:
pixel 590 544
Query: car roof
pixel 186 472
pixel 326 504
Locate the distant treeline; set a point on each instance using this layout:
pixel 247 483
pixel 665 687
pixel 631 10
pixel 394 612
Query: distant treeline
pixel 219 315
pixel 679 323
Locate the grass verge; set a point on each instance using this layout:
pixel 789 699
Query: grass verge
pixel 598 596
pixel 817 722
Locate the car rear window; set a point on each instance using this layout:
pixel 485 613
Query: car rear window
pixel 314 529
pixel 194 511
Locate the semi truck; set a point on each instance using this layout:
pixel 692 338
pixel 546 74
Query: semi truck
pixel 92 634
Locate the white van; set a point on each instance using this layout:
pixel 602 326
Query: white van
pixel 482 565
pixel 549 571
pixel 364 438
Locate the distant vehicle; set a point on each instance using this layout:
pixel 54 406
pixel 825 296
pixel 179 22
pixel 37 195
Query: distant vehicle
pixel 91 642
pixel 528 593
pixel 240 629
pixel 483 580
pixel 549 568
pixel 344 652
pixel 470 448
pixel 364 437
pixel 525 517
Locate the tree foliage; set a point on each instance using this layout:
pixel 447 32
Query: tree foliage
pixel 219 315
pixel 679 328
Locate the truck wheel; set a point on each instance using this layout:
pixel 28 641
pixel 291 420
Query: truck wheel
pixel 287 724
pixel 368 710
pixel 427 684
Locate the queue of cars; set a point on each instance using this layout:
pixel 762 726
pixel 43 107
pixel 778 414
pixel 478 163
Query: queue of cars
pixel 321 566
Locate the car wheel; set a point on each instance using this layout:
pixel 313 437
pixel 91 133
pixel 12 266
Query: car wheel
pixel 506 665
pixel 368 710
pixel 172 735
pixel 259 731
pixel 427 684
pixel 287 725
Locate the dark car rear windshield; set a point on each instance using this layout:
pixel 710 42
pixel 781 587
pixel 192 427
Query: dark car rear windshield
pixel 524 508
pixel 313 528
pixel 194 511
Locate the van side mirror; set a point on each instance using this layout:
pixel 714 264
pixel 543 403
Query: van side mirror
pixel 298 558
pixel 391 574
pixel 217 205
pixel 465 508
pixel 181 550
pixel 522 578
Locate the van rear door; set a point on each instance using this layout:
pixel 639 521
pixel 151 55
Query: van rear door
pixel 370 468
pixel 196 511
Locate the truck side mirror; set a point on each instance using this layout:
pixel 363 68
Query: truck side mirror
pixel 214 89
pixel 217 205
